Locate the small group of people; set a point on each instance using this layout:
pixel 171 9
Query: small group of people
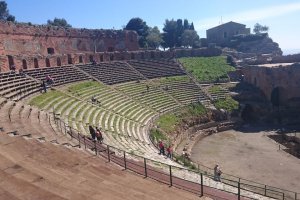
pixel 162 150
pixel 96 134
pixel 49 80
pixel 94 100
pixel 217 173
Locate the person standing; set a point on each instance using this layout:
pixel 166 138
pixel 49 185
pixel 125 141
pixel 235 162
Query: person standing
pixel 92 132
pixel 169 152
pixel 161 148
pixel 99 135
pixel 217 173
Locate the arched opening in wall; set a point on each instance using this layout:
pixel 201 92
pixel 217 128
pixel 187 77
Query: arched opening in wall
pixel 278 96
pixel 225 35
pixel 36 63
pixel 152 54
pixel 248 113
pixel 111 57
pixel 48 62
pixel 91 58
pixel 70 61
pixel 24 64
pixel 80 59
pixel 132 56
pixel 143 55
pixel 50 50
pixel 101 58
pixel 11 62
pixel 58 62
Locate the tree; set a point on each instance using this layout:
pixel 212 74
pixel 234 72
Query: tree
pixel 59 22
pixel 190 38
pixel 154 38
pixel 140 26
pixel 169 35
pixel 192 26
pixel 4 12
pixel 260 29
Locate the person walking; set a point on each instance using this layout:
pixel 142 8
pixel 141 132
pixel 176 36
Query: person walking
pixel 92 132
pixel 169 152
pixel 217 173
pixel 161 148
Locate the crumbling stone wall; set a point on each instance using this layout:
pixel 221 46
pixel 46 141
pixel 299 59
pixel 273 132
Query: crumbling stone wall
pixel 285 78
pixel 34 61
pixel 23 39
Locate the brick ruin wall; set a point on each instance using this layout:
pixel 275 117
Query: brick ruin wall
pixel 286 78
pixel 27 47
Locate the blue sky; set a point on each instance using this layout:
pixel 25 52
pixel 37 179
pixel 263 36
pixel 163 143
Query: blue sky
pixel 282 16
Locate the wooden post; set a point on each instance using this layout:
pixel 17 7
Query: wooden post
pixel 125 164
pixel 239 191
pixel 145 165
pixel 108 154
pixel 201 175
pixel 170 169
pixel 95 146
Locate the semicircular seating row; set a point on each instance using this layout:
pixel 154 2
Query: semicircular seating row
pixel 125 110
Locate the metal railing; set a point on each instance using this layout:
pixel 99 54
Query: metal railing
pixel 199 181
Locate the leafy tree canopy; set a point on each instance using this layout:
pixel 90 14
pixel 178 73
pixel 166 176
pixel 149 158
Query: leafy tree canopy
pixel 154 38
pixel 190 38
pixel 142 29
pixel 59 22
pixel 258 28
pixel 4 12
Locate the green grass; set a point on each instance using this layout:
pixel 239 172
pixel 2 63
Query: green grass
pixel 173 78
pixel 43 99
pixel 228 104
pixel 215 89
pixel 156 135
pixel 207 68
pixel 83 85
pixel 168 122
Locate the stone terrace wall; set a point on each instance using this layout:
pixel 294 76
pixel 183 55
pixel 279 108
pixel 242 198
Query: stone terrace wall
pixel 23 39
pixel 286 78
pixel 34 61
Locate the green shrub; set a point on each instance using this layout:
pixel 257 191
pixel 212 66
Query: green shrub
pixel 228 104
pixel 207 68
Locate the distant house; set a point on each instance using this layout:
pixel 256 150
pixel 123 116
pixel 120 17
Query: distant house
pixel 222 34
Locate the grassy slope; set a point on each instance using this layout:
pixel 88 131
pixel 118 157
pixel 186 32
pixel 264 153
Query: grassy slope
pixel 207 68
pixel 228 104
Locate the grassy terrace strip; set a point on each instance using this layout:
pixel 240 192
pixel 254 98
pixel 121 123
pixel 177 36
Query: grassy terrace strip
pixel 170 121
pixel 207 68
pixel 42 100
pixel 228 104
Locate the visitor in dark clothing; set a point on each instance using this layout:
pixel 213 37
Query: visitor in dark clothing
pixel 92 132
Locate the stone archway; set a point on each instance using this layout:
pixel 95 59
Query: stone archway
pixel 58 62
pixel 24 64
pixel 279 96
pixel 36 63
pixel 48 62
pixel 248 113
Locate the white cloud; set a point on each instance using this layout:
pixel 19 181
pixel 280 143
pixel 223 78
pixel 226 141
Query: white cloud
pixel 249 16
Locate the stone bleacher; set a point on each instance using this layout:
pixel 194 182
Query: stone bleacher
pixel 16 86
pixel 157 68
pixel 112 72
pixel 61 75
pixel 182 88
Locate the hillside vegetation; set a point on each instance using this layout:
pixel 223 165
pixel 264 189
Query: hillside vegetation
pixel 169 122
pixel 207 68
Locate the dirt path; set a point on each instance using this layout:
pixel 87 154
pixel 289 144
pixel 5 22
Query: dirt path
pixel 253 156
